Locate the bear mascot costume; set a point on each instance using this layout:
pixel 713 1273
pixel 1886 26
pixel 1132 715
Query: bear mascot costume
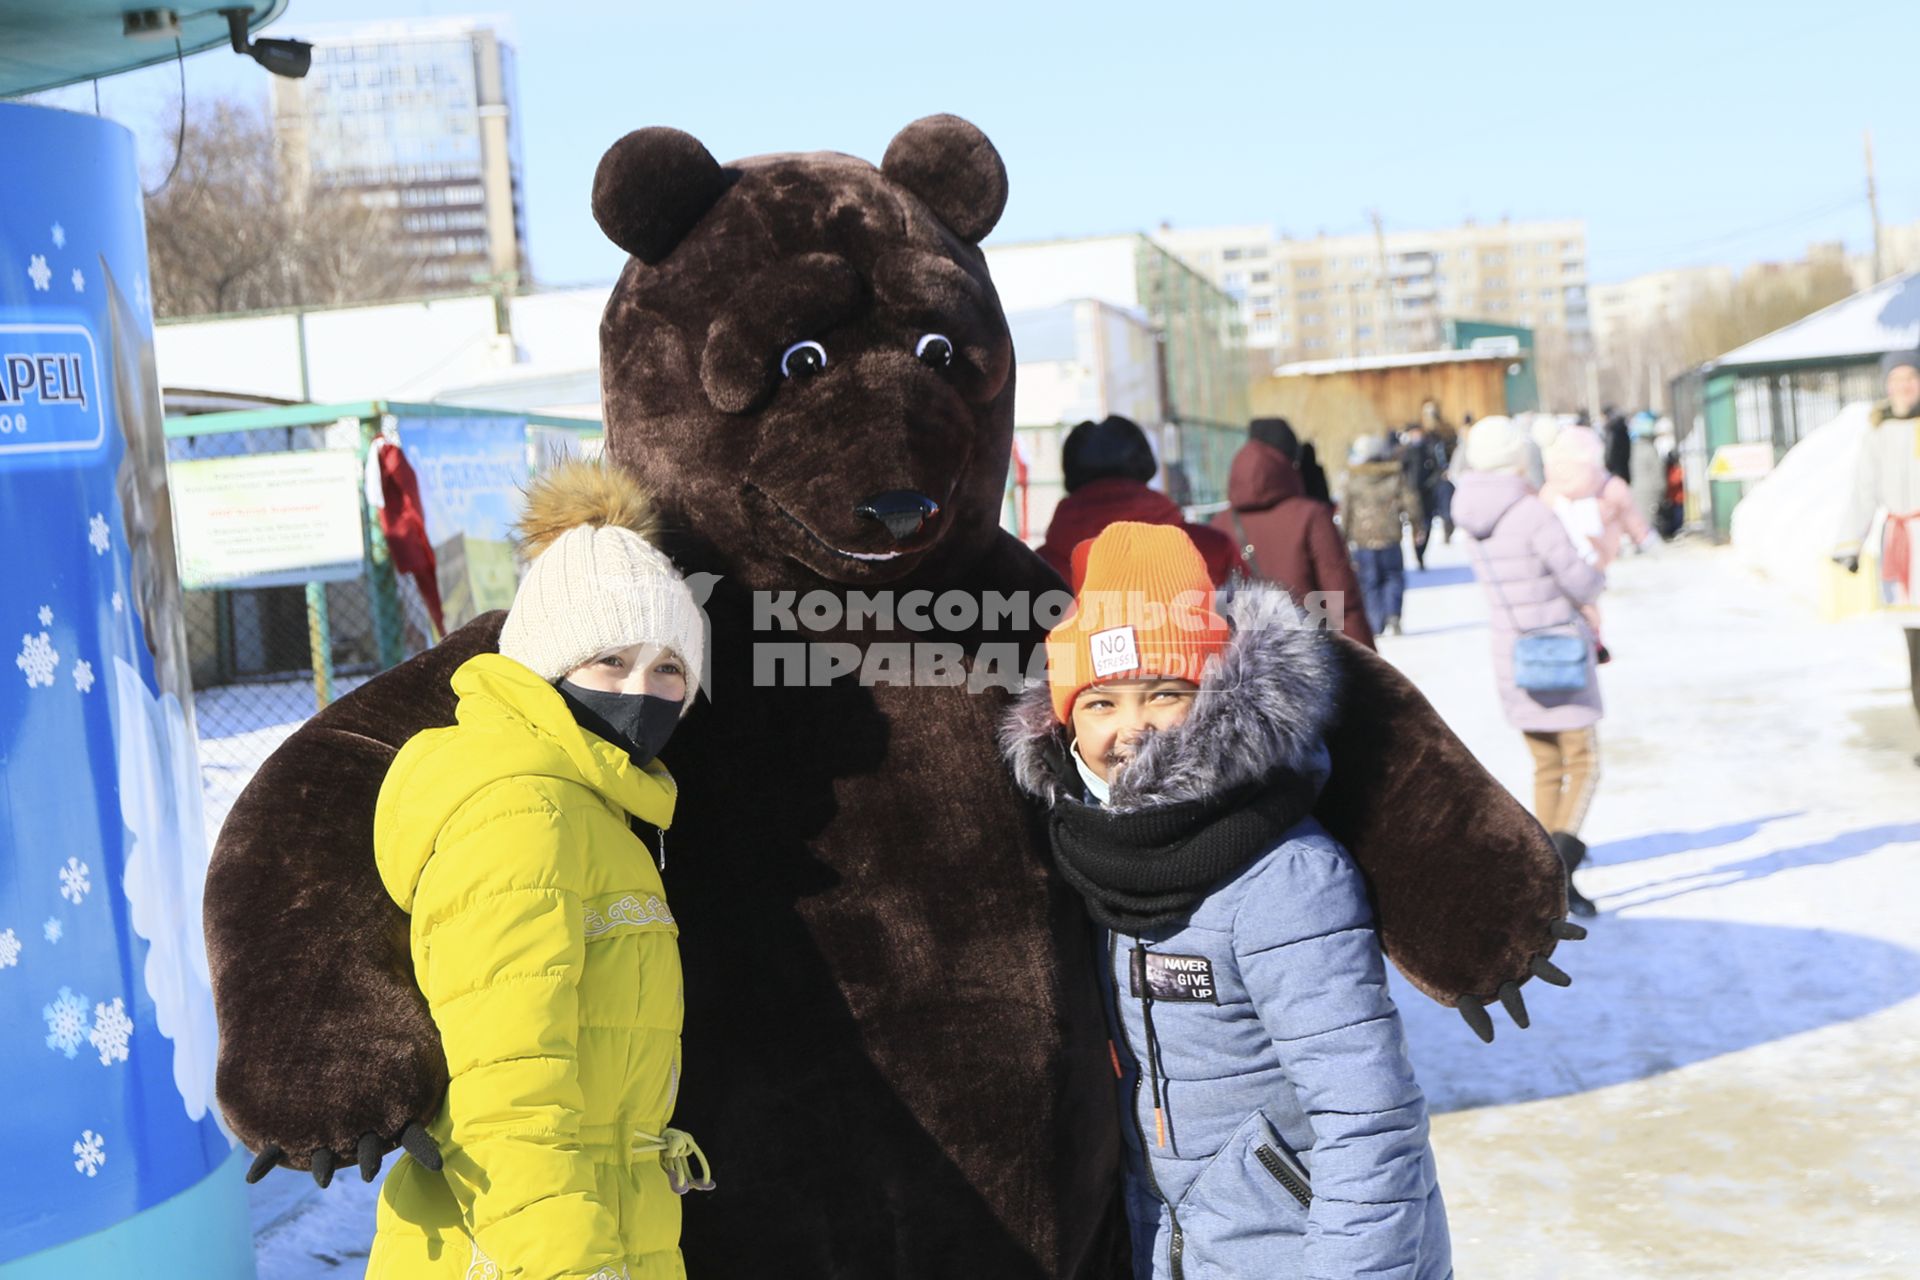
pixel 895 1053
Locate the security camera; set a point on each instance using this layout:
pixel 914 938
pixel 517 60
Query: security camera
pixel 289 58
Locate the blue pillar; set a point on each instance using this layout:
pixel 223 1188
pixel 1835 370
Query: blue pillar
pixel 115 1164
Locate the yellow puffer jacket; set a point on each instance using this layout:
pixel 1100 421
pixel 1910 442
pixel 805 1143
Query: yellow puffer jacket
pixel 542 939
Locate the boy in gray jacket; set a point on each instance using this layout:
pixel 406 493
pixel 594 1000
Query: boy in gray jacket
pixel 1273 1126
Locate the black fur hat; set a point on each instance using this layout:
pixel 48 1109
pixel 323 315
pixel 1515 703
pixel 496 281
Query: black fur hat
pixel 1112 447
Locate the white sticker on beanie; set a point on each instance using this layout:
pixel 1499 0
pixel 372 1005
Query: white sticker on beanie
pixel 1114 650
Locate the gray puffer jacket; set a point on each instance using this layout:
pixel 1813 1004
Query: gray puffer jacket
pixel 1291 1136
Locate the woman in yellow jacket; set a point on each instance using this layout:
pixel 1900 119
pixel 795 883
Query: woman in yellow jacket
pixel 541 934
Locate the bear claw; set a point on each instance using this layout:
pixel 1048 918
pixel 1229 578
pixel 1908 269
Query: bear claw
pixel 1545 970
pixel 1476 1015
pixel 421 1146
pixel 372 1151
pixel 263 1164
pixel 1474 1009
pixel 1515 1006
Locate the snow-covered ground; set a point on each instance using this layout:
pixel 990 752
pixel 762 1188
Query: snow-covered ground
pixel 1732 1085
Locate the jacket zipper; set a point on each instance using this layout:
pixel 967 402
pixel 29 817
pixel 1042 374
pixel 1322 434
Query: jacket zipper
pixel 1178 1245
pixel 1289 1173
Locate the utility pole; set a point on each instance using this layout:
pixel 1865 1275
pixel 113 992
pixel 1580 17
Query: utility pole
pixel 1873 210
pixel 1387 344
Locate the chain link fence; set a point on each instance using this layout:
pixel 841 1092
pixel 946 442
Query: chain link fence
pixel 264 657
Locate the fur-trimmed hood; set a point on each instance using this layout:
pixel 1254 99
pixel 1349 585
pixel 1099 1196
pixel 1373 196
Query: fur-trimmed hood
pixel 1264 706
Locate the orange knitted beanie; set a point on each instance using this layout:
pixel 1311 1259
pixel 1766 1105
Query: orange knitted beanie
pixel 1143 607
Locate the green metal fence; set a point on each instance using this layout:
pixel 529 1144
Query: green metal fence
pixel 266 656
pixel 1772 404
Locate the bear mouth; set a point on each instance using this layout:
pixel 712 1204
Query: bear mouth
pixel 857 557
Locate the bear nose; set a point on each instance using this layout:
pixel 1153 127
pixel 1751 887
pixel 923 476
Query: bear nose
pixel 902 510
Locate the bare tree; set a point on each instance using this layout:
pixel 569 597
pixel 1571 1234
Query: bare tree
pixel 1559 369
pixel 1766 298
pixel 232 230
pixel 1637 363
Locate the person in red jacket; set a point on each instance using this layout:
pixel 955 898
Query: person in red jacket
pixel 1108 465
pixel 1285 536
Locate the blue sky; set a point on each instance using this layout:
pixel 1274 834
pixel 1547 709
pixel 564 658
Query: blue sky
pixel 1683 132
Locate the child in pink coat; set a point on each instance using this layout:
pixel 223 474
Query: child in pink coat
pixel 1577 473
pixel 1596 506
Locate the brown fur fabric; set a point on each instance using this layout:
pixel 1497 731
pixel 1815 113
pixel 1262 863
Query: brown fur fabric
pixel 323 1034
pixel 894 1049
pixel 1467 886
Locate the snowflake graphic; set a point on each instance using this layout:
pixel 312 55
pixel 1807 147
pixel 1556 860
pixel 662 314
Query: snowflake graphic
pixel 46 615
pixel 39 272
pixel 112 1028
pixel 83 676
pixel 9 949
pixel 140 291
pixel 52 930
pixel 75 880
pixel 66 1022
pixel 59 236
pixel 119 603
pixel 79 281
pixel 97 534
pixel 38 658
pixel 89 1153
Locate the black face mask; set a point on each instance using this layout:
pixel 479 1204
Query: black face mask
pixel 638 723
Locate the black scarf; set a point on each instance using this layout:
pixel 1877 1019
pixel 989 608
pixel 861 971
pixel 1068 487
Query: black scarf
pixel 1146 869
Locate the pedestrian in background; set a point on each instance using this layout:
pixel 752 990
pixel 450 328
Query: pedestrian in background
pixel 1887 479
pixel 1673 507
pixel 1590 500
pixel 1619 443
pixel 1377 503
pixel 1444 439
pixel 1109 467
pixel 1649 470
pixel 1423 471
pixel 1313 476
pixel 1536 584
pixel 1286 537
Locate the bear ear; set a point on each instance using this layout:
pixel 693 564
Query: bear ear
pixel 951 166
pixel 650 189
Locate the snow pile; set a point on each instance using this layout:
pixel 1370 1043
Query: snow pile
pixel 1787 525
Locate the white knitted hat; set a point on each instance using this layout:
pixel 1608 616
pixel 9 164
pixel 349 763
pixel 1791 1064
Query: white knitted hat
pixel 1496 444
pixel 595 582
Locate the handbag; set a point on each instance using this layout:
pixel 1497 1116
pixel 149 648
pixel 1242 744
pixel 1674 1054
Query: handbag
pixel 1545 659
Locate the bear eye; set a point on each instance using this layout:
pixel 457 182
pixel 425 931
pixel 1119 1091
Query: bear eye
pixel 803 360
pixel 935 349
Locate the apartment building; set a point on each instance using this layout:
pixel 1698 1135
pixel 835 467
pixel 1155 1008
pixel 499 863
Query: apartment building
pixel 1378 294
pixel 1651 301
pixel 421 117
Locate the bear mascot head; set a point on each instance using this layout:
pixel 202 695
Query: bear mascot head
pixel 894 1047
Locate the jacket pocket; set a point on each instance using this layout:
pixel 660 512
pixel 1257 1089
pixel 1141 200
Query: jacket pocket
pixel 1286 1169
pixel 1239 1183
pixel 1240 1220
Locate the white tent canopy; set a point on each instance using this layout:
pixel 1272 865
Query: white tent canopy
pixel 1862 327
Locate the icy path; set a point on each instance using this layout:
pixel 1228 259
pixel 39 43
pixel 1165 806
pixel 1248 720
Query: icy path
pixel 1732 1085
